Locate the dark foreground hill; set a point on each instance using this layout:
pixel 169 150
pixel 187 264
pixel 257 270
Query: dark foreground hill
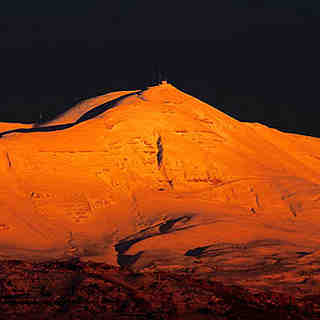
pixel 77 290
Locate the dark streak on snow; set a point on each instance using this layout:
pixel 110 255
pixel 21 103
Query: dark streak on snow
pixel 160 152
pixel 257 201
pixel 196 252
pixel 166 227
pixel 293 210
pixel 160 161
pixel 218 249
pixel 9 161
pixel 125 260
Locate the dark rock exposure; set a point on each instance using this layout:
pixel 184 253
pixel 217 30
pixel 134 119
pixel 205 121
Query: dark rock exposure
pixel 73 289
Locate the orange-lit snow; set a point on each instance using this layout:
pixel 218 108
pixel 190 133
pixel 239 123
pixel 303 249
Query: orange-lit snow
pixel 151 180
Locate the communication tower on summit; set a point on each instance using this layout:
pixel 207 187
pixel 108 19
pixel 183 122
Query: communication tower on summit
pixel 159 77
pixel 162 78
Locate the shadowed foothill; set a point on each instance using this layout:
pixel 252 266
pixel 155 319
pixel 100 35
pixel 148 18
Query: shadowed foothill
pixel 87 116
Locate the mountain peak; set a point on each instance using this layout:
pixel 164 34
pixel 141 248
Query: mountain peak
pixel 158 177
pixel 165 92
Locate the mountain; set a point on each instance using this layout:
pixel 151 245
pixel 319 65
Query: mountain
pixel 156 179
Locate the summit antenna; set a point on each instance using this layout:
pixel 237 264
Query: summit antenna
pixel 159 77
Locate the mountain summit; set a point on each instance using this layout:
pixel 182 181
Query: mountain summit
pixel 156 178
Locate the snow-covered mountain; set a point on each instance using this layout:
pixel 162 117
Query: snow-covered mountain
pixel 156 178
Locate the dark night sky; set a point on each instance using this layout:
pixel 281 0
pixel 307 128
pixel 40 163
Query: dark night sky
pixel 258 60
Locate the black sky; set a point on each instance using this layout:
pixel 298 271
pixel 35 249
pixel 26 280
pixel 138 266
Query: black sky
pixel 258 60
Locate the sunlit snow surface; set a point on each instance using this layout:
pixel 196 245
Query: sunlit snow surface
pixel 157 179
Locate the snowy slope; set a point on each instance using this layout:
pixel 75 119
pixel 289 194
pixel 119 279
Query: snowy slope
pixel 158 178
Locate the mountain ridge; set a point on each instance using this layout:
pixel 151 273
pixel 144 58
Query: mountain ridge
pixel 154 177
